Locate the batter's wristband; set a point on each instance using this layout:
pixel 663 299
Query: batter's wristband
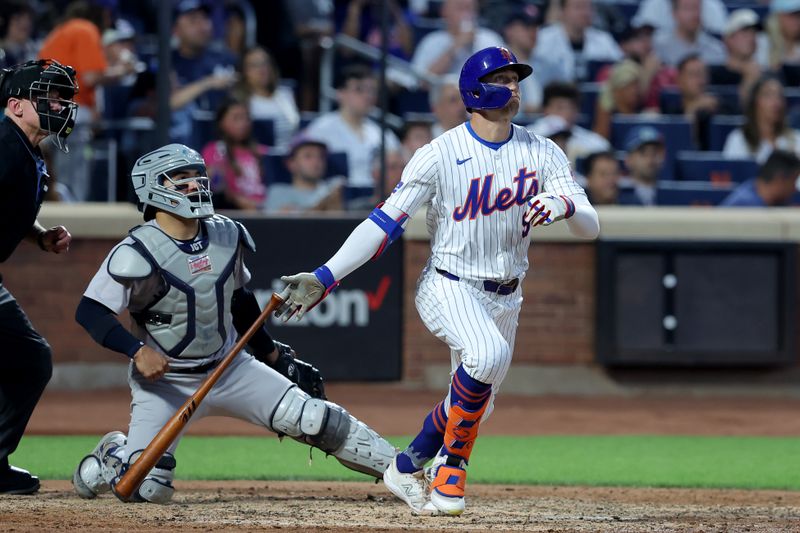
pixel 325 276
pixel 570 206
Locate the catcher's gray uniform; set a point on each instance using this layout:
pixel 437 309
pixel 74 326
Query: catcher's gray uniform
pixel 179 297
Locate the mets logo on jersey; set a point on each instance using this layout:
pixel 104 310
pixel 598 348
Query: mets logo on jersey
pixel 199 264
pixel 478 197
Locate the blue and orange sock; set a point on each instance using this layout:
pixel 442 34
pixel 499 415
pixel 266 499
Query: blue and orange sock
pixel 426 443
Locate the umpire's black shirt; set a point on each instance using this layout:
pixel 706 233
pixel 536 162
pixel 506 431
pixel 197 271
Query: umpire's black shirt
pixel 23 182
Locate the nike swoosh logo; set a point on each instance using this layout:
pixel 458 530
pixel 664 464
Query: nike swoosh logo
pixel 462 161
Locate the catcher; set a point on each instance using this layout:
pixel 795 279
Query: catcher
pixel 182 278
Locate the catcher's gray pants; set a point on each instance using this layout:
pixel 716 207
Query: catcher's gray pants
pixel 248 390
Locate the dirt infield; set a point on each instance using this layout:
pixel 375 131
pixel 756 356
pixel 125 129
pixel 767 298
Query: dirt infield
pixel 391 409
pixel 344 507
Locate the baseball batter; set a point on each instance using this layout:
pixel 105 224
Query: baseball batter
pixel 486 183
pixel 182 277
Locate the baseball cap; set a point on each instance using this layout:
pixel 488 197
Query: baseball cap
pixel 185 6
pixel 300 140
pixel 784 6
pixel 122 31
pixel 640 136
pixel 529 16
pixel 550 126
pixel 739 20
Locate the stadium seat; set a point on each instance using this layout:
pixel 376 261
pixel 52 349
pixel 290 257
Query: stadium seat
pixel 713 167
pixel 593 68
pixel 204 129
pixel 792 97
pixel 337 165
pixel 669 100
pixel 115 101
pixel 728 96
pixel 275 170
pixel 719 128
pixel 677 132
pixel 588 98
pixel 690 193
pixel 411 102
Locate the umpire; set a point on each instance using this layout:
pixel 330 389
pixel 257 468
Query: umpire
pixel 37 97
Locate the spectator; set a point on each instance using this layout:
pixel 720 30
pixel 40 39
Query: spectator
pixel 573 42
pixel 602 178
pixel 235 35
pixel 362 21
pixel 695 103
pixel 774 186
pixel 234 161
pixel 783 28
pixel 687 37
pixel 621 94
pixel 76 41
pixel 395 163
pixel 561 100
pixel 520 31
pixel 18 44
pixel 446 105
pixel 644 160
pixel 120 50
pixel 312 21
pixel 765 127
pixel 445 51
pixel 636 43
pixel 308 190
pixel 416 134
pixel 554 128
pixel 349 129
pixel 746 59
pixel 202 74
pixel 658 13
pixel 260 87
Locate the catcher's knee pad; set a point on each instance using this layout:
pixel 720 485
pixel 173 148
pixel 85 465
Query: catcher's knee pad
pixel 92 476
pixel 157 486
pixel 332 429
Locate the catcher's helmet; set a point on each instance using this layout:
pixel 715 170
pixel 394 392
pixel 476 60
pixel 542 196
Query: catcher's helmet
pixel 50 86
pixel 478 95
pixel 153 182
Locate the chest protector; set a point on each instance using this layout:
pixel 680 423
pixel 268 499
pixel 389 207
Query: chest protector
pixel 192 317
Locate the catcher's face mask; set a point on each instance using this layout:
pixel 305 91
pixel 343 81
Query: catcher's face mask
pixel 51 87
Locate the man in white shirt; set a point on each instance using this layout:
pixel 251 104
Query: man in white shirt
pixel 444 51
pixel 687 37
pixel 573 42
pixel 349 129
pixel 658 13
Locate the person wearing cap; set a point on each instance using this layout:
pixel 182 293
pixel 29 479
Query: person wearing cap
pixel 554 128
pixel 120 51
pixel 644 160
pixel 520 32
pixel 687 37
pixel 202 74
pixel 308 189
pixel 562 100
pixel 37 98
pixel 658 14
pixel 746 49
pixel 621 94
pixel 783 29
pixel 775 185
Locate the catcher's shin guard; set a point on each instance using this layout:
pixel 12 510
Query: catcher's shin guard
pixel 92 475
pixel 329 427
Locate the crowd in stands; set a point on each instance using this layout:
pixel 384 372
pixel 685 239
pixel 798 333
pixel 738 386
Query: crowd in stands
pixel 655 102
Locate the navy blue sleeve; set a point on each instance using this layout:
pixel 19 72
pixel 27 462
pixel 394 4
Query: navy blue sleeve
pixel 104 328
pixel 245 311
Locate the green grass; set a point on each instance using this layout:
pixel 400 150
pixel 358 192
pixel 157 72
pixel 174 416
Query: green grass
pixel 655 461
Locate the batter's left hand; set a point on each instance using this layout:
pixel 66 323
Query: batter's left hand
pixel 55 239
pixel 546 208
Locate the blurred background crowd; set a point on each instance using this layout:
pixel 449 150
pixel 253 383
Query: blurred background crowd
pixel 656 102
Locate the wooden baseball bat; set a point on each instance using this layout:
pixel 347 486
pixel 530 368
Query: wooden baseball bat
pixel 133 477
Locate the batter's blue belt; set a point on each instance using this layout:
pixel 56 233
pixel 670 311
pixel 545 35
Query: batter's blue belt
pixel 503 289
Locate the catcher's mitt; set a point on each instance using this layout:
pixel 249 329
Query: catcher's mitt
pixel 304 375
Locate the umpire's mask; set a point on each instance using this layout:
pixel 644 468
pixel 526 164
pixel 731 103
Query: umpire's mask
pixel 50 86
pixel 174 179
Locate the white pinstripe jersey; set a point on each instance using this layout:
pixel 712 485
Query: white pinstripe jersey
pixel 477 192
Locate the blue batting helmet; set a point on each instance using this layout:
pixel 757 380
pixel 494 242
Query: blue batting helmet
pixel 479 95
